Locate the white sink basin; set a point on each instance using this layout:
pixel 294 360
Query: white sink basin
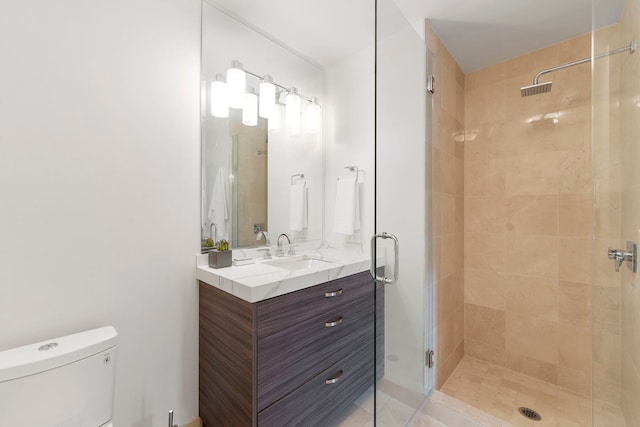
pixel 304 262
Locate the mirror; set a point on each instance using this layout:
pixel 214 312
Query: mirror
pixel 249 190
pixel 263 177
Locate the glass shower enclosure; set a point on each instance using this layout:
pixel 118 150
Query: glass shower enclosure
pixel 402 207
pixel 615 299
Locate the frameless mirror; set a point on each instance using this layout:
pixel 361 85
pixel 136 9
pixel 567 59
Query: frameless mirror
pixel 249 191
pixel 258 174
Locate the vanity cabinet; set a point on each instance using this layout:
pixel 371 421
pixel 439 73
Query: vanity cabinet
pixel 296 359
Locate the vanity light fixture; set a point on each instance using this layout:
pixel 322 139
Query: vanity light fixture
pixel 250 110
pixel 292 112
pixel 237 82
pixel 270 101
pixel 267 97
pixel 276 116
pixel 313 116
pixel 219 97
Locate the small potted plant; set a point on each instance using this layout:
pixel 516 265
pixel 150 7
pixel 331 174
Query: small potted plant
pixel 221 255
pixel 207 245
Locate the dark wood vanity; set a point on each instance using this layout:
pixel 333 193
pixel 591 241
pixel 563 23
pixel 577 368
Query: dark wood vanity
pixel 297 359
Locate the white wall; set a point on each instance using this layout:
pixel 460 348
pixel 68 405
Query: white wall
pixel 349 141
pixel 99 188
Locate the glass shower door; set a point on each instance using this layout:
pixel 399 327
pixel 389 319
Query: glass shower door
pixel 402 206
pixel 615 296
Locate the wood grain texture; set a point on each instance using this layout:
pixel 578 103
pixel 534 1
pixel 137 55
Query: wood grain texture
pixel 226 357
pixel 194 423
pixel 264 363
pixel 288 359
pixel 380 328
pixel 306 303
pixel 317 403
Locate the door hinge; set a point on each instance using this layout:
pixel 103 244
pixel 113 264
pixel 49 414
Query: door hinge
pixel 431 84
pixel 428 358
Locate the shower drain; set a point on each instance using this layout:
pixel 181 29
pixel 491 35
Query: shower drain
pixel 529 413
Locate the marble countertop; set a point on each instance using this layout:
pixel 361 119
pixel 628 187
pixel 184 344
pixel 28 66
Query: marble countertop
pixel 264 279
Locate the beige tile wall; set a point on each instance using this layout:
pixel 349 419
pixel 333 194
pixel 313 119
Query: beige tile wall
pixel 616 296
pixel 251 177
pixel 448 207
pixel 606 304
pixel 527 217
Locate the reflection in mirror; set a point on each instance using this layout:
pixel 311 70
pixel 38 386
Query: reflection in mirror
pixel 246 187
pixel 249 191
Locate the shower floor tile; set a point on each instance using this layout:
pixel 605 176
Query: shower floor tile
pixel 478 394
pixel 500 392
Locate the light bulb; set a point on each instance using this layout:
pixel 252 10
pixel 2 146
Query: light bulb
pixel 292 102
pixel 314 114
pixel 273 122
pixel 267 97
pixel 250 110
pixel 237 82
pixel 219 97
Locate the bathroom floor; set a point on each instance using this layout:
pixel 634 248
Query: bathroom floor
pixel 437 410
pixel 480 394
pixel 500 392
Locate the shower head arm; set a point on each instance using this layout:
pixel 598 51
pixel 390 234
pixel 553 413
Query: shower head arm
pixel 559 67
pixel 631 48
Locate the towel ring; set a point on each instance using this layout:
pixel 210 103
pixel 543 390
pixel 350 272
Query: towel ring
pixel 296 176
pixel 353 169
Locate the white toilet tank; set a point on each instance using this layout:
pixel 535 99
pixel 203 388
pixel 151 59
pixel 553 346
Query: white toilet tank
pixel 62 382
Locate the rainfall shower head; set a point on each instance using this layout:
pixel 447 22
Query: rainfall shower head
pixel 535 89
pixel 538 88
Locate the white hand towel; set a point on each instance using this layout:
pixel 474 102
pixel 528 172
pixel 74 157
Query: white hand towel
pixel 298 207
pixel 218 213
pixel 346 218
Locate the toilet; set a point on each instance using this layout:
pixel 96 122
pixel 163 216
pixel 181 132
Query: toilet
pixel 62 382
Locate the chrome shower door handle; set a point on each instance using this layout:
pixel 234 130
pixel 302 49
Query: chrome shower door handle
pixel 396 250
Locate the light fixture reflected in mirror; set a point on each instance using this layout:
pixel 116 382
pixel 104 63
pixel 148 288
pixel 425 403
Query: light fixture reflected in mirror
pixel 276 117
pixel 250 110
pixel 292 112
pixel 219 97
pixel 237 82
pixel 267 105
pixel 313 116
pixel 267 97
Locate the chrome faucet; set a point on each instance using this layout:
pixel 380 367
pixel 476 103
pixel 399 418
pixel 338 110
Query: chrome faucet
pixel 261 234
pixel 280 250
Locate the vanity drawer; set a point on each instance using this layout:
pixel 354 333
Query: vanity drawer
pixel 291 357
pixel 276 314
pixel 326 395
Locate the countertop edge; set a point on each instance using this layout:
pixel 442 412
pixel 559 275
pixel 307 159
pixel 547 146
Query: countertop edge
pixel 274 281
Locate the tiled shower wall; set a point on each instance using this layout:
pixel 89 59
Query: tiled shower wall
pixel 630 153
pixel 606 292
pixel 447 207
pixel 616 304
pixel 527 217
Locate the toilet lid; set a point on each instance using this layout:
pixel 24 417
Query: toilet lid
pixel 109 424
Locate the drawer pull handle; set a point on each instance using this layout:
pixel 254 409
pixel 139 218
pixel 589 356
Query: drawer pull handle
pixel 333 323
pixel 334 379
pixel 333 293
